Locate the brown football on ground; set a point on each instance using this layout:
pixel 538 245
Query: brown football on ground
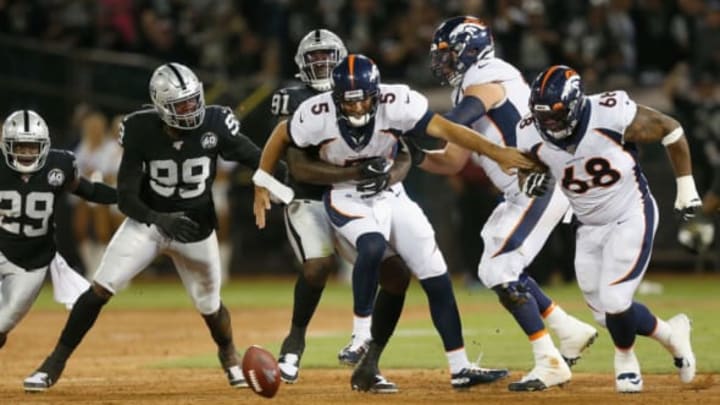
pixel 261 371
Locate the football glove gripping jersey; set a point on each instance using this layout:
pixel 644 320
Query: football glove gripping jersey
pixel 536 184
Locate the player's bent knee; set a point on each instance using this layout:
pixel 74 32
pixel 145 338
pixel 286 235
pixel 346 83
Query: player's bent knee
pixel 207 305
pixel 101 291
pixel 394 275
pixel 317 270
pixel 512 295
pixel 614 303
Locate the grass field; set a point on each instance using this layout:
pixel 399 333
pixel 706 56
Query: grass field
pixel 490 332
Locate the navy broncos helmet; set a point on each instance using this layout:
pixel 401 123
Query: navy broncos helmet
pixel 556 100
pixel 356 80
pixel 457 43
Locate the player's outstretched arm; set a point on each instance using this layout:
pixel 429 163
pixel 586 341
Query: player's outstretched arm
pixel 650 125
pixel 507 158
pixel 94 191
pixel 448 161
pixel 274 148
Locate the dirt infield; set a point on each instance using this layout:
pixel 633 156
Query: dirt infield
pixel 111 367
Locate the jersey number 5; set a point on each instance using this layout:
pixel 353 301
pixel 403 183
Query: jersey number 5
pixel 192 175
pixel 38 206
pixel 602 176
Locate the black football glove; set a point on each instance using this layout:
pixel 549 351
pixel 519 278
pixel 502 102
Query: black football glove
pixel 373 186
pixel 178 226
pixel 537 184
pixel 375 167
pixel 687 211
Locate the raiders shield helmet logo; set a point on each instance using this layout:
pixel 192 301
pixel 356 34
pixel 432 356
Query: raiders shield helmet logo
pixel 208 140
pixel 55 177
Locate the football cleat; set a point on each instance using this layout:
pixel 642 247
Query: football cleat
pixel 38 381
pixel 377 384
pixel 471 376
pixel 351 354
pixel 548 372
pixel 289 364
pixel 235 377
pixel 627 372
pixel 629 383
pixel 575 339
pixel 681 347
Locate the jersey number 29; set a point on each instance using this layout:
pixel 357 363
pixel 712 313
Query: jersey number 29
pixel 37 206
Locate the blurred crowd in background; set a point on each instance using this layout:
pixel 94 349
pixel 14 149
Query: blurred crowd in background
pixel 666 53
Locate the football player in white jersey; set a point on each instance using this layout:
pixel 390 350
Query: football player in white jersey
pixel 308 226
pixel 490 96
pixel 361 120
pixel 589 144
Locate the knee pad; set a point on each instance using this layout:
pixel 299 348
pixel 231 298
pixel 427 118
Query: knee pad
pixel 394 275
pixel 317 270
pixel 512 295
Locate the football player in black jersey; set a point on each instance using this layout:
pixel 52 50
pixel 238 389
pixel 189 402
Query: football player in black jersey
pixel 164 187
pixel 308 228
pixel 32 179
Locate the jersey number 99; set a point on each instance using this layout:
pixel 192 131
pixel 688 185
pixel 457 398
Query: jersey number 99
pixel 191 177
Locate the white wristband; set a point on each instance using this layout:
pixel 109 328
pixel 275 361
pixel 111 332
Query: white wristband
pixel 280 191
pixel 686 192
pixel 673 136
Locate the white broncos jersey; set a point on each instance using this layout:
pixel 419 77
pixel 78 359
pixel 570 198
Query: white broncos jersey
pixel 499 124
pixel 597 170
pixel 315 123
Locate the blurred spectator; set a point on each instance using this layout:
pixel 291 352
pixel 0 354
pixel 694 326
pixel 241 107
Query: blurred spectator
pixel 539 43
pixel 98 158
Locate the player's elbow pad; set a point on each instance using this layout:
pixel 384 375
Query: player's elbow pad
pixel 100 193
pixel 469 110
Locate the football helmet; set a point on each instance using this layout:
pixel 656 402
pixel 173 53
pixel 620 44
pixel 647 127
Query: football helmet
pixel 25 141
pixel 356 89
pixel 556 100
pixel 177 95
pixel 457 43
pixel 317 54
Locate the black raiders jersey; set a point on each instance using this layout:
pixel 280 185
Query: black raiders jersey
pixel 174 173
pixel 27 207
pixel 284 103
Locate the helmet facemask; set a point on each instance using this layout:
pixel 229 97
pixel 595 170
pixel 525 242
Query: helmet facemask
pixel 317 68
pixel 178 96
pixel 25 142
pixel 358 107
pixel 557 121
pixel 317 54
pixel 458 43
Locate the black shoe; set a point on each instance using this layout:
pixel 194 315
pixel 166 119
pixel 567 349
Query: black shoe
pixel 471 376
pixel 367 377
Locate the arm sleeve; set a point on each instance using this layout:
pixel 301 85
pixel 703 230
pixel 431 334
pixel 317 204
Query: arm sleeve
pixel 96 192
pixel 469 110
pixel 130 178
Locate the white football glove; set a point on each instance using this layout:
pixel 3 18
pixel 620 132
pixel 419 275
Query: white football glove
pixel 687 200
